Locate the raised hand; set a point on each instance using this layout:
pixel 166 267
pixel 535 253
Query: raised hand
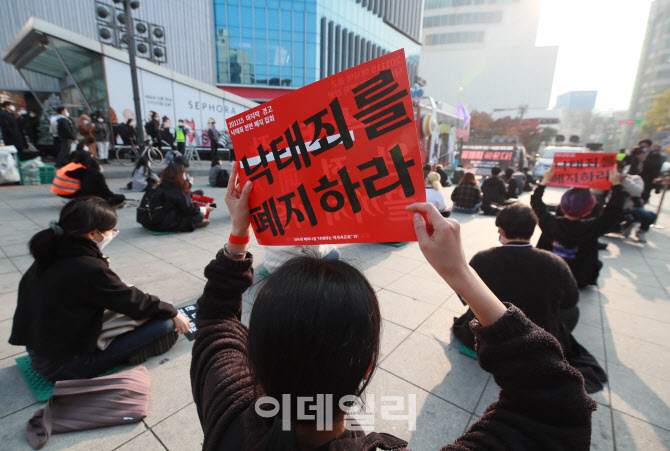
pixel 237 201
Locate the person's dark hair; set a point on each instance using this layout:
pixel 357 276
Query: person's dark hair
pixel 525 170
pixel 129 121
pixel 174 173
pixel 215 161
pixel 509 172
pixel 637 151
pixel 577 202
pixel 468 179
pixel 648 142
pixel 93 164
pixel 153 114
pixel 142 163
pixel 60 109
pixel 78 217
pixel 517 221
pixel 6 103
pixel 314 329
pixel 165 118
pixel 495 170
pixel 80 156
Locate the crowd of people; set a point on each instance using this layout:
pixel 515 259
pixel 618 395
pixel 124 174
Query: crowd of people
pixel 315 325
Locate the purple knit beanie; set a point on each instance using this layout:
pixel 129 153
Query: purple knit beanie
pixel 578 202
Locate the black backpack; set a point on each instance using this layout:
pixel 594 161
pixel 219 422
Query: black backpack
pixel 151 211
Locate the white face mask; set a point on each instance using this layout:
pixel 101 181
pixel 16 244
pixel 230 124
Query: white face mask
pixel 101 119
pixel 12 107
pixel 86 122
pixel 500 238
pixel 32 114
pixel 22 112
pixel 67 114
pixel 181 124
pixel 105 240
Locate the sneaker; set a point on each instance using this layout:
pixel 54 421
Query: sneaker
pixel 204 223
pixel 626 229
pixel 159 346
pixel 641 236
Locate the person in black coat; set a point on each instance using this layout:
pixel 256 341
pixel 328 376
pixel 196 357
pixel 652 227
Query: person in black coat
pixel 180 213
pixel 444 178
pixel 93 183
pixel 152 127
pixel 12 134
pixel 60 127
pixel 572 237
pixel 31 126
pixel 539 283
pixel 64 293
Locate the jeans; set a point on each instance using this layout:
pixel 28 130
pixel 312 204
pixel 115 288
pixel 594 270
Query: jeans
pixel 474 209
pixel 86 366
pixel 644 217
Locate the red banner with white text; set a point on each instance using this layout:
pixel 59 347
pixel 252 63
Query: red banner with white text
pixel 583 170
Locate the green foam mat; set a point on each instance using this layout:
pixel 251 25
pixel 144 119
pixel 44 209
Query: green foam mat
pixel 467 351
pixel 159 233
pixel 41 387
pixel 398 244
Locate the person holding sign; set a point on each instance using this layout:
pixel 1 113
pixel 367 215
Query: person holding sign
pixel 572 237
pixel 314 334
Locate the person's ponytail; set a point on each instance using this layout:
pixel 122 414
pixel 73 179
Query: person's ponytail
pixel 43 248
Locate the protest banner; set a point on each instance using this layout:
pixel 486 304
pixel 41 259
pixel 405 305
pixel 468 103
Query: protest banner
pixel 583 170
pixel 481 158
pixel 336 161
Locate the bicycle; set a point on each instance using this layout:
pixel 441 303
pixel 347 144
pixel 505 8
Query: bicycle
pixel 128 155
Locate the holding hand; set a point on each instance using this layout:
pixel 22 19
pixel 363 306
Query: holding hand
pixel 616 177
pixel 181 323
pixel 237 201
pixel 548 175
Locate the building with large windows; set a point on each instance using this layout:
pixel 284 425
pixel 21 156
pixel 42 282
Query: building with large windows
pixel 653 71
pixel 264 47
pixel 483 53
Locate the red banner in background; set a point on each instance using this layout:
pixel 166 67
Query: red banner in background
pixel 336 161
pixel 583 170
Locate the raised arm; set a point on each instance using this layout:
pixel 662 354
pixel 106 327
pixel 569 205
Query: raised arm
pixel 220 380
pixel 542 403
pixel 614 208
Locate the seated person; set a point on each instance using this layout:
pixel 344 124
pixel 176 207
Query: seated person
pixel 434 193
pixel 520 178
pixel 467 196
pixel 93 183
pixel 315 329
pixel 143 177
pixel 537 282
pixel 494 193
pixel 179 213
pixel 217 175
pixel 573 237
pixel 512 184
pixel 633 187
pixel 67 181
pixel 528 186
pixel 64 293
pixel 444 178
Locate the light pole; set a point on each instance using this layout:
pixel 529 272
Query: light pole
pixel 128 6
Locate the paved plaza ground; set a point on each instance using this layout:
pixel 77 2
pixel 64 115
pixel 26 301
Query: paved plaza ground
pixel 625 323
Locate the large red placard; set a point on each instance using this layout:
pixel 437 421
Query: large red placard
pixel 336 161
pixel 583 170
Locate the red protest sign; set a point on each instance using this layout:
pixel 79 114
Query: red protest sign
pixel 336 161
pixel 583 170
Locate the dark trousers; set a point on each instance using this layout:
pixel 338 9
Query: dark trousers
pixel 181 147
pixel 570 316
pixel 645 217
pixel 215 150
pixel 116 199
pixel 91 365
pixel 648 186
pixel 63 146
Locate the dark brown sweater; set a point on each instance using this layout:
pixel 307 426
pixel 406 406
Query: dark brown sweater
pixel 542 403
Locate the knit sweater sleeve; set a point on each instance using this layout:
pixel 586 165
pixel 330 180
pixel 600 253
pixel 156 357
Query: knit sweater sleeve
pixel 542 402
pixel 220 380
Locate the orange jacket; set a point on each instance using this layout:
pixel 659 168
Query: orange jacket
pixel 64 185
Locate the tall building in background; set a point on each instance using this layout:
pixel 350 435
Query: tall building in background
pixel 577 100
pixel 265 47
pixel 483 53
pixel 653 71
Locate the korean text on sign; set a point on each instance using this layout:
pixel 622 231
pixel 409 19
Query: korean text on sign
pixel 583 170
pixel 336 161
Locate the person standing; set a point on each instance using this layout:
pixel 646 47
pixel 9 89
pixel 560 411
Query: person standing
pixel 11 132
pixel 32 126
pixel 86 130
pixel 180 134
pixel 101 134
pixel 166 136
pixel 153 129
pixel 651 169
pixel 61 129
pixel 213 135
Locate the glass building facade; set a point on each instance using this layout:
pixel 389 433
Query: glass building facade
pixel 293 43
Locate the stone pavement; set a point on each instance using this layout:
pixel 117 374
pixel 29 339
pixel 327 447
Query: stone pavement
pixel 624 323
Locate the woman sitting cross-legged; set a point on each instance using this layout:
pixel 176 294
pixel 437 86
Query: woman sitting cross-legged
pixel 64 294
pixel 143 177
pixel 314 340
pixel 467 196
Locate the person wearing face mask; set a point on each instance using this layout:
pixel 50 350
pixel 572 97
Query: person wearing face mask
pixel 65 292
pixel 538 283
pixel 31 126
pixel 102 136
pixel 11 132
pixel 180 134
pixel 153 128
pixel 61 129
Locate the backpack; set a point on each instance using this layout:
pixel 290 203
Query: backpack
pixel 151 210
pixel 222 178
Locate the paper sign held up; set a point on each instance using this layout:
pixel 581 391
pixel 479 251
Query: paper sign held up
pixel 336 161
pixel 583 170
